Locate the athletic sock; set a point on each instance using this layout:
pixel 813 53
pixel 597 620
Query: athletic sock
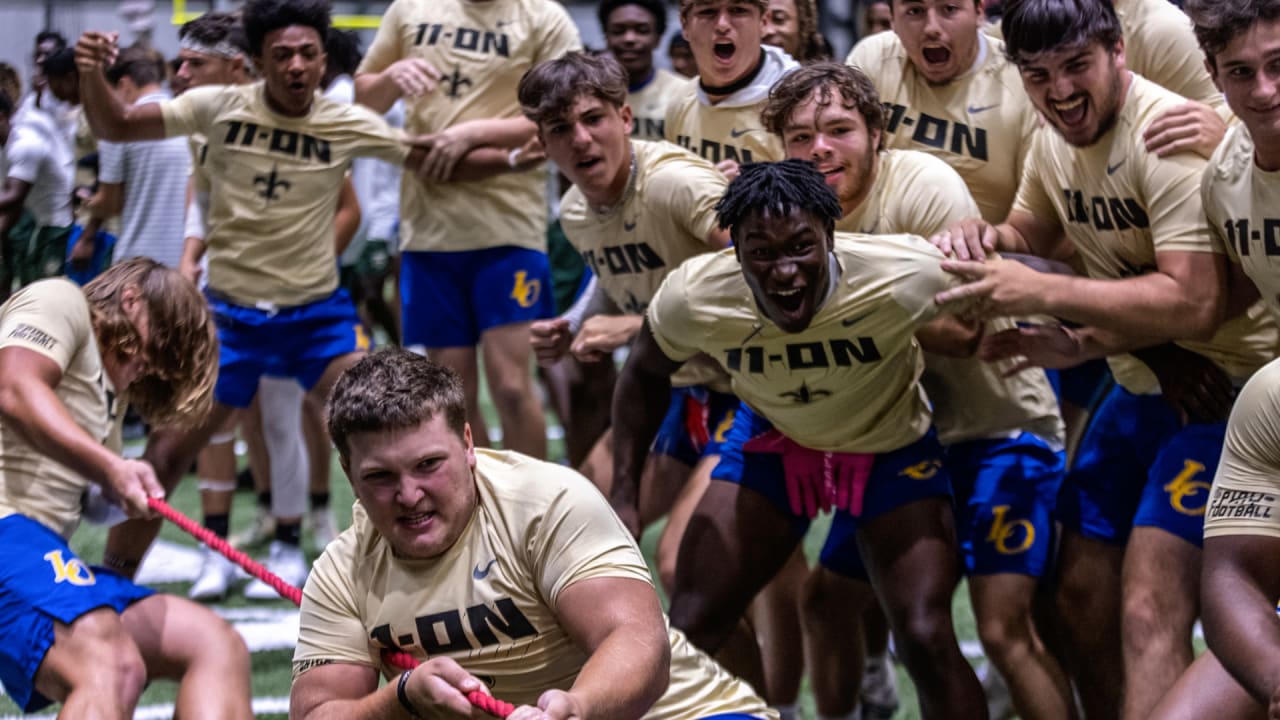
pixel 290 534
pixel 319 500
pixel 264 499
pixel 219 523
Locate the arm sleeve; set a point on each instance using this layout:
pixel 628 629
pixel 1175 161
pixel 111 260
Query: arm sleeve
pixel 694 190
pixel 25 157
pixel 375 138
pixel 386 47
pixel 670 318
pixel 329 625
pixel 51 318
pixel 1173 201
pixel 560 34
pixel 1214 218
pixel 578 537
pixel 1245 499
pixel 918 277
pixel 110 162
pixel 1031 197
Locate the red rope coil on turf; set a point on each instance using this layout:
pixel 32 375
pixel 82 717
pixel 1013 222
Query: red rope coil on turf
pixel 402 660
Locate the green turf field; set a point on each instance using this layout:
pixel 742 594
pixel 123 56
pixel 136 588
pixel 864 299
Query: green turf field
pixel 271 667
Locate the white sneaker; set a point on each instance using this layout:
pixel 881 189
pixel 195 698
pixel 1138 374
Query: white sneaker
pixel 259 533
pixel 879 693
pixel 323 529
pixel 286 561
pixel 215 578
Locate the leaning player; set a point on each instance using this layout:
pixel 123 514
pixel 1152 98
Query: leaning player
pixel 1133 505
pixel 817 336
pixel 537 586
pixel 69 633
pixel 636 211
pixel 276 159
pixel 474 271
pixel 1003 436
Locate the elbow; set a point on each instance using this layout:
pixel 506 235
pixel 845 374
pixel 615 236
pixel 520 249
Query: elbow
pixel 1202 321
pixel 11 400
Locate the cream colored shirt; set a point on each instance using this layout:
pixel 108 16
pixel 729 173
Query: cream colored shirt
pixel 1160 45
pixel 482 49
pixel 1121 205
pixel 51 317
pixel 1242 203
pixel 275 182
pixel 489 602
pixel 917 193
pixel 1245 499
pixel 980 123
pixel 850 381
pixel 664 221
pixel 649 104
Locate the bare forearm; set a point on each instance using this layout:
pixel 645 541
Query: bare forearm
pixel 33 410
pixel 1153 306
pixel 376 91
pixel 483 163
pixel 640 401
pixel 625 676
pixel 500 132
pixel 1242 629
pixel 379 705
pixel 102 107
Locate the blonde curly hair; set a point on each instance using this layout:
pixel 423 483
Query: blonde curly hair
pixel 181 350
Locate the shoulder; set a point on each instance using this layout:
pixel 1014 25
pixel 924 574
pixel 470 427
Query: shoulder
pixel 671 163
pixel 524 488
pixel 1147 101
pixel 924 173
pixel 1231 162
pixel 875 50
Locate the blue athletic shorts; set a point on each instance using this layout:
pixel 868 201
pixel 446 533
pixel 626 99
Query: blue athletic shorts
pixel 1083 385
pixel 295 342
pixel 898 478
pixel 1005 491
pixel 696 424
pixel 43 582
pixel 1138 466
pixel 451 298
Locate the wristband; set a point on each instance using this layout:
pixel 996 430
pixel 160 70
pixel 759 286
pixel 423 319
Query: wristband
pixel 403 696
pixel 513 158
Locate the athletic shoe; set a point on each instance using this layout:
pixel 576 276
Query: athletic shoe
pixel 323 529
pixel 259 533
pixel 284 560
pixel 215 578
pixel 879 693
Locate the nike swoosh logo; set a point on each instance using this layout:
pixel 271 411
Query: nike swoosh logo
pixel 735 133
pixel 975 110
pixel 479 574
pixel 850 322
pixel 1111 169
pixel 628 226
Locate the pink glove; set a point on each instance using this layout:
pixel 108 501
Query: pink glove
pixel 817 480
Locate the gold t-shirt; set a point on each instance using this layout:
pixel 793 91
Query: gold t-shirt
pixel 649 104
pixel 1121 205
pixel 274 185
pixel 916 193
pixel 980 123
pixel 489 602
pixel 1160 45
pixel 848 382
pixel 1245 498
pixel 51 317
pixel 482 49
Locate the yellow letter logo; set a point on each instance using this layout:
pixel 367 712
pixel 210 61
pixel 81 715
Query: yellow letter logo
pixel 1002 532
pixel 525 292
pixel 1183 487
pixel 362 338
pixel 73 572
pixel 922 470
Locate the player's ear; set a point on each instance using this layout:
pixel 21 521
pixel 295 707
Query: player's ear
pixel 628 118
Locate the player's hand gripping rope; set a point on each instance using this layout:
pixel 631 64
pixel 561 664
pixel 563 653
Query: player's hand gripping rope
pixel 403 660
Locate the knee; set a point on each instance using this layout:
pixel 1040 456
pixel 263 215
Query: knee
pixel 818 599
pixel 112 664
pixel 511 390
pixel 923 630
pixel 1006 634
pixel 1145 618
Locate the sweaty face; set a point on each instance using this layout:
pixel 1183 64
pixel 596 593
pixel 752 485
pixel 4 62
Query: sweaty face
pixel 836 139
pixel 590 144
pixel 784 261
pixel 1248 73
pixel 782 26
pixel 292 63
pixel 940 36
pixel 724 36
pixel 416 485
pixel 632 35
pixel 1078 90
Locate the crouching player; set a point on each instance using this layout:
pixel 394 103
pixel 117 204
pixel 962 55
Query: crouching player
pixel 69 633
pixel 491 564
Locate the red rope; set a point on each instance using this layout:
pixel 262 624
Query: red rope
pixel 402 660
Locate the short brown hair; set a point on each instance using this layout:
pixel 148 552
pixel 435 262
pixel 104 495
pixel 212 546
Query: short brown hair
pixel 176 386
pixel 1218 22
pixel 550 88
pixel 393 389
pixel 687 5
pixel 822 79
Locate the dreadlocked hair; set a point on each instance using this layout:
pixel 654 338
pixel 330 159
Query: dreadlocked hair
pixel 776 189
pixel 181 351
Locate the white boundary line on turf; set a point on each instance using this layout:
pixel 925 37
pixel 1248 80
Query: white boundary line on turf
pixel 261 706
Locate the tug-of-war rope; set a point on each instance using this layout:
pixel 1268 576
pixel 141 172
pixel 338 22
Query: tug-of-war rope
pixel 402 660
